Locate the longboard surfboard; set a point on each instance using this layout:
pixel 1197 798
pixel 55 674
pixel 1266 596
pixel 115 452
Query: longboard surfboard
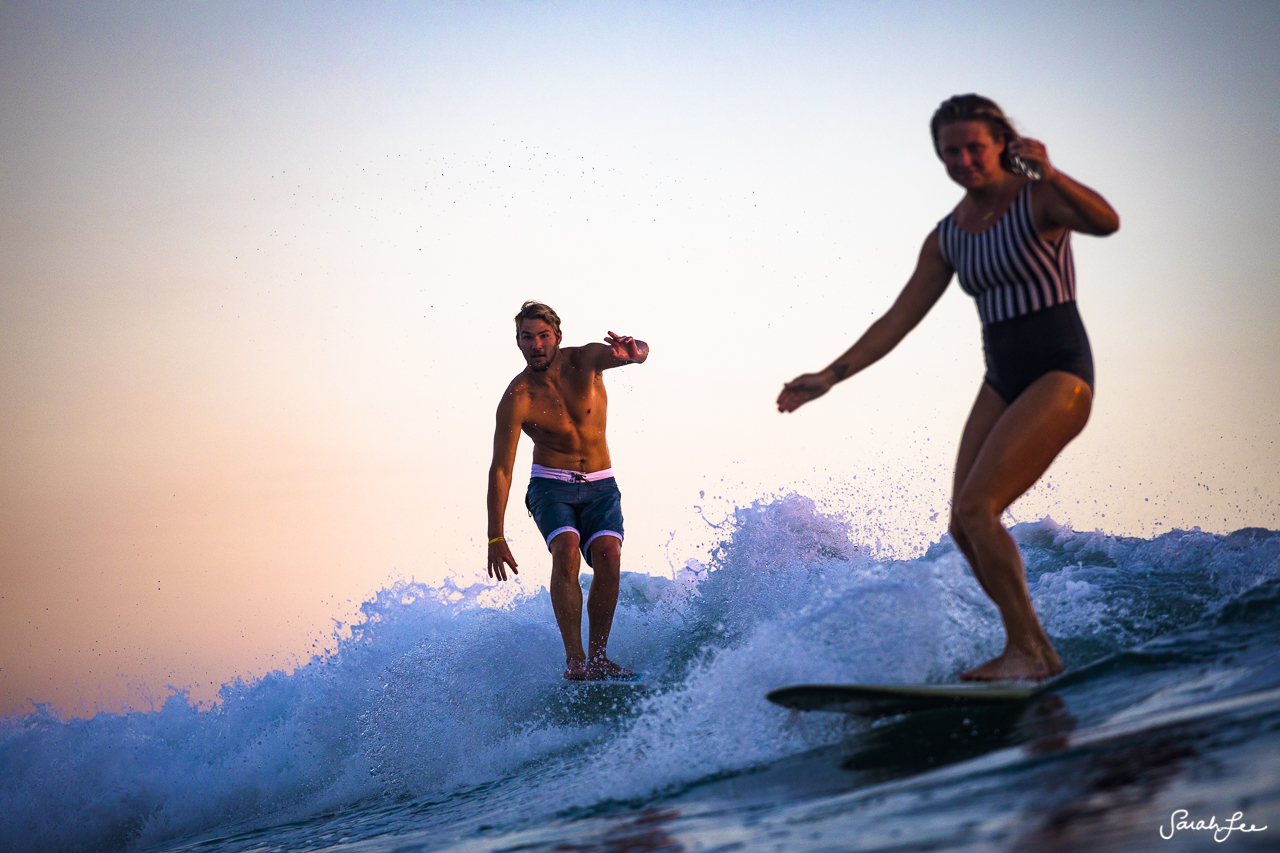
pixel 633 680
pixel 882 700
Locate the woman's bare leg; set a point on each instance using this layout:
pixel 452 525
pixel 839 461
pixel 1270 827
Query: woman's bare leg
pixel 987 409
pixel 1017 449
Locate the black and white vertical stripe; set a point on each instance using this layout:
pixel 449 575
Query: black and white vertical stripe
pixel 1009 268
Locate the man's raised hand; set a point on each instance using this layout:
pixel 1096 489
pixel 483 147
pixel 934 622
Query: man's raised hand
pixel 499 555
pixel 626 348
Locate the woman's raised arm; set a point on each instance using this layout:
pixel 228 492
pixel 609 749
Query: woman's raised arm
pixel 1068 204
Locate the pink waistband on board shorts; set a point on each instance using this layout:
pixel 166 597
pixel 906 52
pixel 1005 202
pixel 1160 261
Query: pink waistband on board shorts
pixel 566 476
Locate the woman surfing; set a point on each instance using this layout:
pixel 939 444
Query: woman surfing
pixel 1009 242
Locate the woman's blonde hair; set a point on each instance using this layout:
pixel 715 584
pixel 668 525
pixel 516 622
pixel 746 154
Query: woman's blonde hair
pixel 975 108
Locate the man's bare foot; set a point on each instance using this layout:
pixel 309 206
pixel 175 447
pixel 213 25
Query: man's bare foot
pixel 600 669
pixel 1015 664
pixel 603 669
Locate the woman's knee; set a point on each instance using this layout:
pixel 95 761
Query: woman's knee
pixel 971 511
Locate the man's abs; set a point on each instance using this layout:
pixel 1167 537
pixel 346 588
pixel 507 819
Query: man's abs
pixel 569 451
pixel 567 425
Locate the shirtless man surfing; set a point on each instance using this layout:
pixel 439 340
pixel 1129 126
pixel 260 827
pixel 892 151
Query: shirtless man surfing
pixel 559 401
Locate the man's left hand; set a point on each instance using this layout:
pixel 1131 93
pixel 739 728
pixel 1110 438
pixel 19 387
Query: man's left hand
pixel 626 348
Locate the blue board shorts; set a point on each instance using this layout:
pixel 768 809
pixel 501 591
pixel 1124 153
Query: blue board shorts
pixel 590 510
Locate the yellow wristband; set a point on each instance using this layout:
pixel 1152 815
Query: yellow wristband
pixel 498 539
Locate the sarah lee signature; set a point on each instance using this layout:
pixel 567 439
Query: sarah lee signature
pixel 1221 832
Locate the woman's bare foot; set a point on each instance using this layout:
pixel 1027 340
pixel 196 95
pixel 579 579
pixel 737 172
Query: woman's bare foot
pixel 1016 664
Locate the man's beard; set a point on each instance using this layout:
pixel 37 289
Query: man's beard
pixel 550 361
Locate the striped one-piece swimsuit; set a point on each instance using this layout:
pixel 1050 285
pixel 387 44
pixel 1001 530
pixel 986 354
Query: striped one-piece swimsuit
pixel 1025 290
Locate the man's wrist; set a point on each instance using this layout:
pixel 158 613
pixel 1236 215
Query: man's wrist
pixel 497 539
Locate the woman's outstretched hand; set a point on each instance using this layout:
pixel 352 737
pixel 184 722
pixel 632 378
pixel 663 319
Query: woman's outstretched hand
pixel 802 389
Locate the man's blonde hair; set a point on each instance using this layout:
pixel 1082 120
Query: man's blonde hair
pixel 531 310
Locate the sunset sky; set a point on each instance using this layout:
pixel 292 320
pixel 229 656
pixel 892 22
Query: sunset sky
pixel 258 263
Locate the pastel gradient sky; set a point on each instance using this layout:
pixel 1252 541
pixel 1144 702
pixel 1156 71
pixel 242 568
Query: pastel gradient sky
pixel 258 263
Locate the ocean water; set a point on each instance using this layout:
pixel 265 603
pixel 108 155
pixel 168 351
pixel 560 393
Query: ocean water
pixel 442 724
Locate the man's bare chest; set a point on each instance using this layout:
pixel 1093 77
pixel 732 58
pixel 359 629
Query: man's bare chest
pixel 563 406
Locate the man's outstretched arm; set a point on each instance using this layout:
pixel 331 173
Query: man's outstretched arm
pixel 505 438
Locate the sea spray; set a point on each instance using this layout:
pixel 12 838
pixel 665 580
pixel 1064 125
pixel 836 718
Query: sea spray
pixel 452 695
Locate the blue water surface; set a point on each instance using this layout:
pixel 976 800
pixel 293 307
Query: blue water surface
pixel 442 724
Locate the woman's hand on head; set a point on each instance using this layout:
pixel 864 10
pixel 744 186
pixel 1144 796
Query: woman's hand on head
pixel 1034 152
